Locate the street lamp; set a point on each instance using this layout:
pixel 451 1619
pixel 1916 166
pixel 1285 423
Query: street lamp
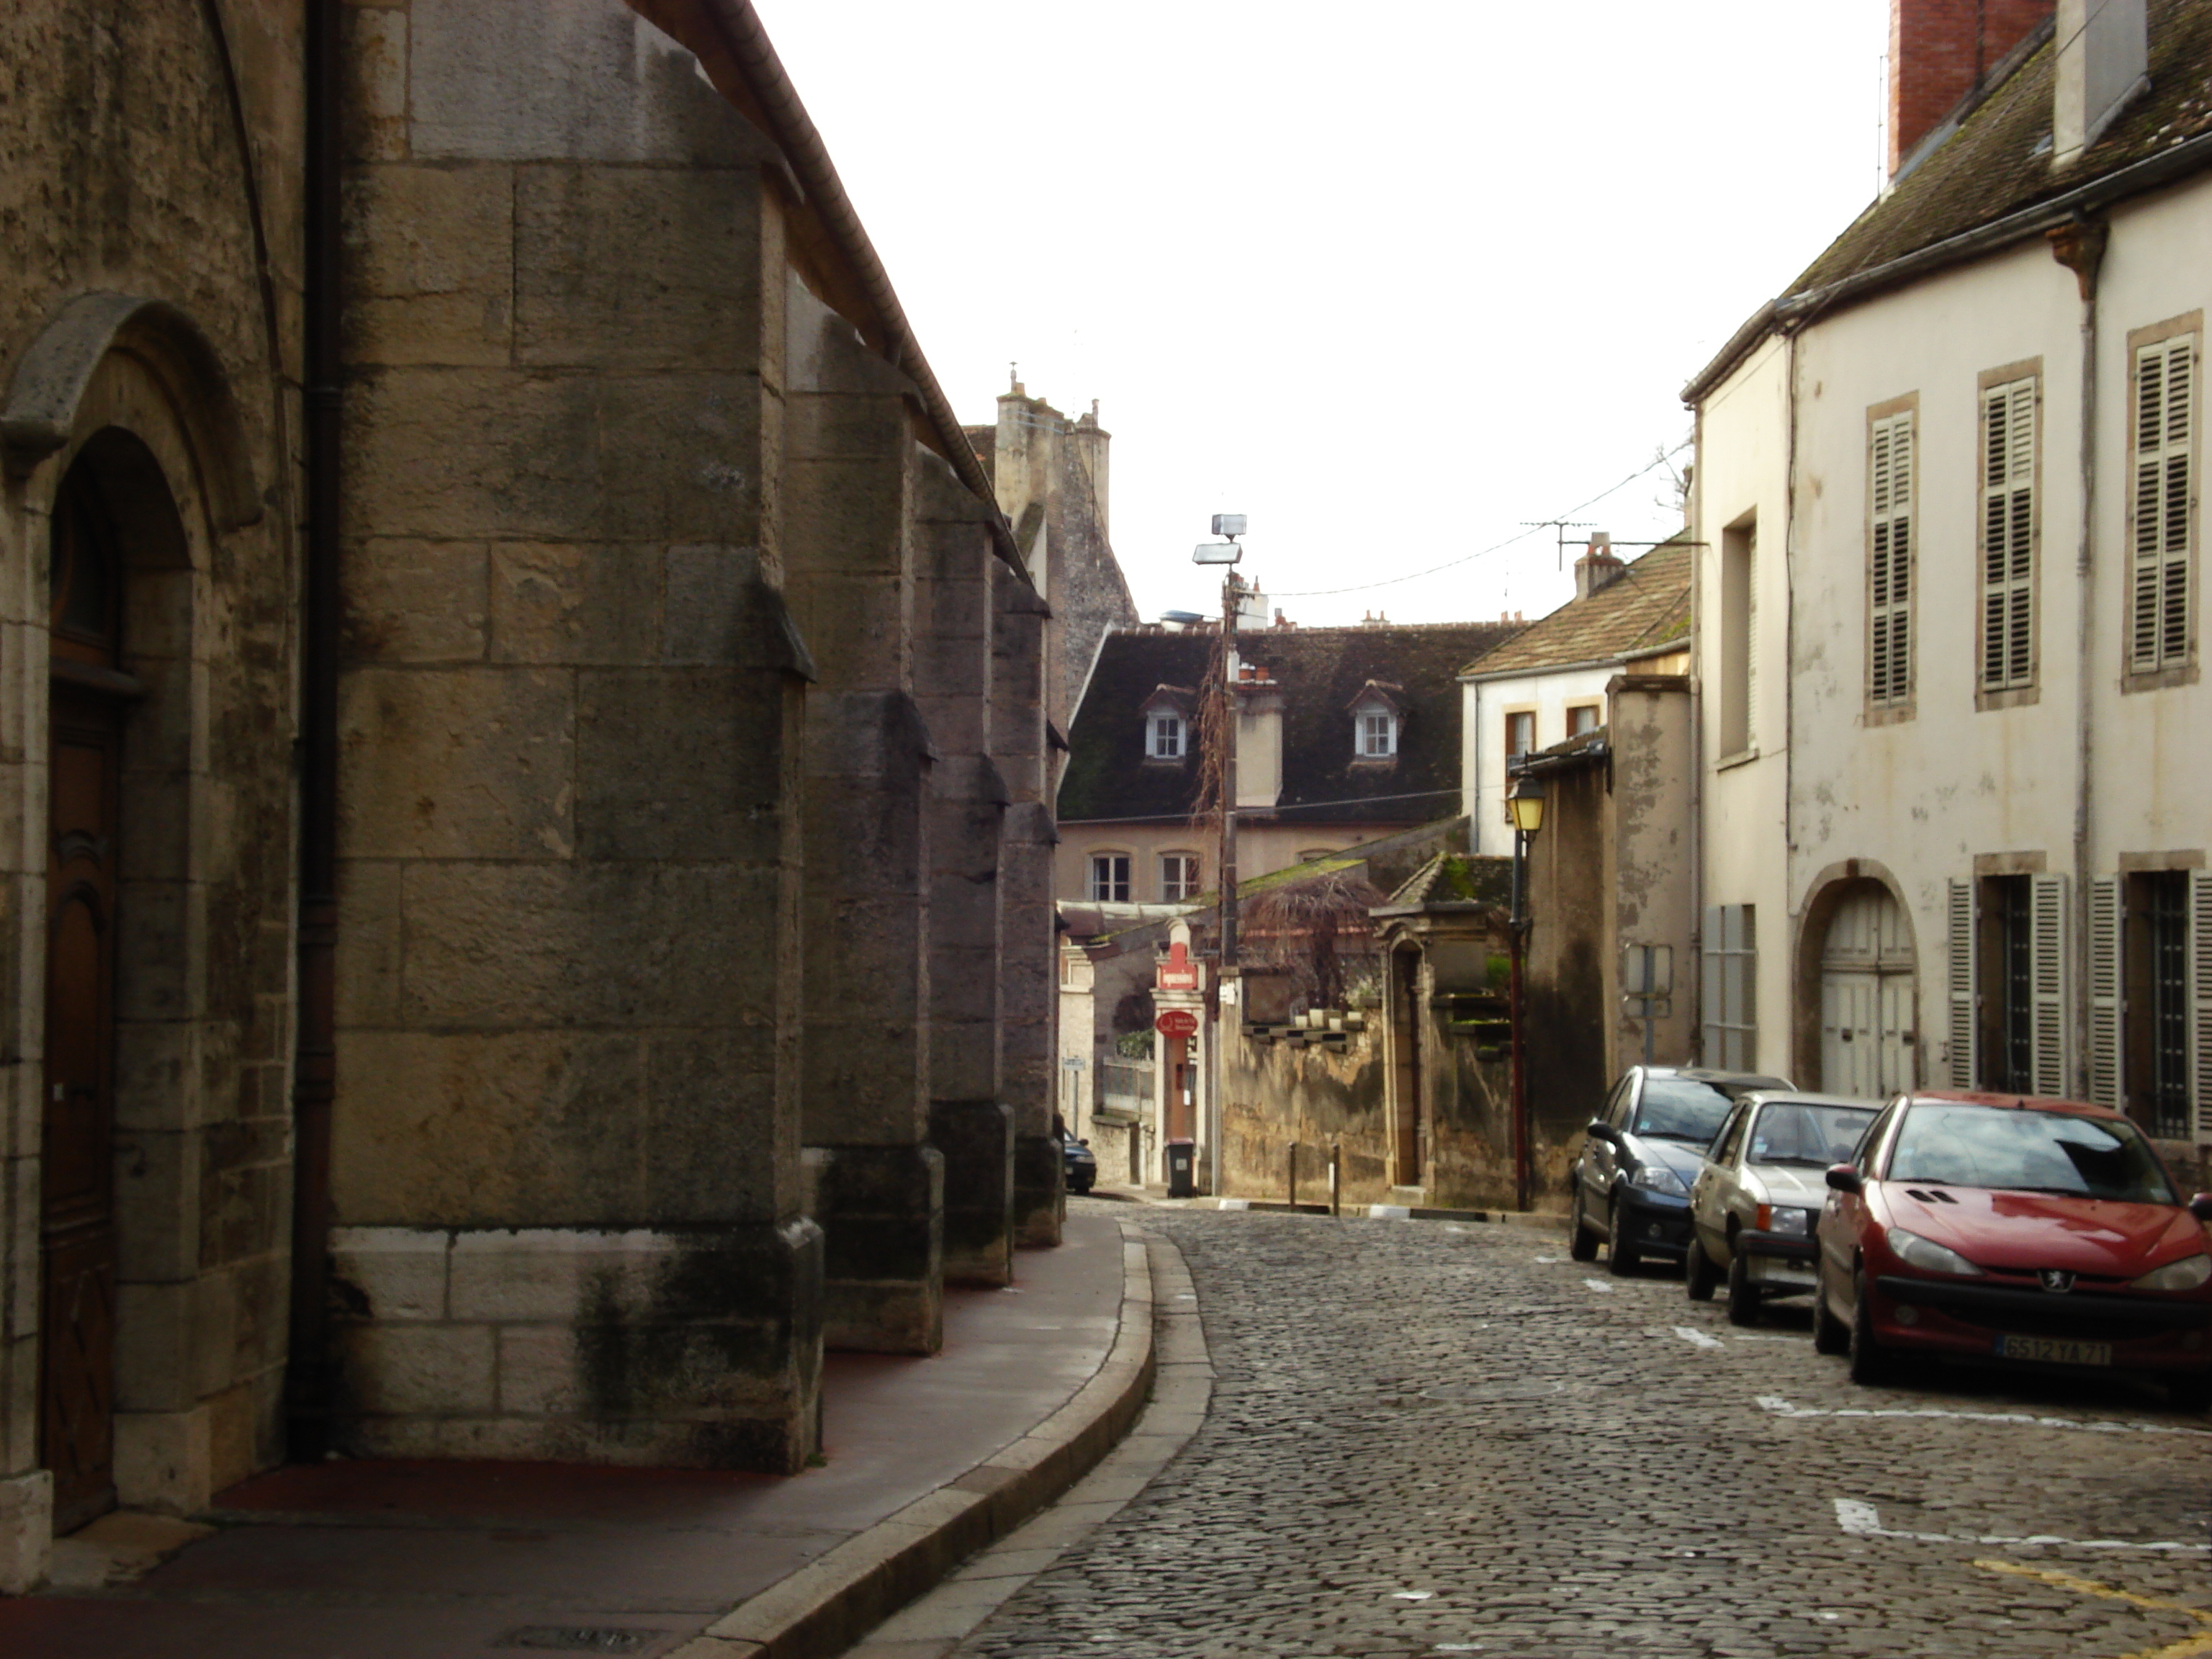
pixel 1524 803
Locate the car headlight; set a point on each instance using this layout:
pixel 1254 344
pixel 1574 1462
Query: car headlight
pixel 1658 1178
pixel 2185 1274
pixel 1927 1255
pixel 1790 1222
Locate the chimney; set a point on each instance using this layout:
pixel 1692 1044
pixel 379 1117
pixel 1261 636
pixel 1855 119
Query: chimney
pixel 2104 54
pixel 1942 50
pixel 1597 569
pixel 1090 444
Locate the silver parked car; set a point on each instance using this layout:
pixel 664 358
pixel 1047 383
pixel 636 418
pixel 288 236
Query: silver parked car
pixel 1758 1196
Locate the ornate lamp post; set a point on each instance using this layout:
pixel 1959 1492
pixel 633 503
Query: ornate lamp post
pixel 1525 803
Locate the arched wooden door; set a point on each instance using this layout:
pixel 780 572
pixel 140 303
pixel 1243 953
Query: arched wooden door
pixel 1868 983
pixel 76 1433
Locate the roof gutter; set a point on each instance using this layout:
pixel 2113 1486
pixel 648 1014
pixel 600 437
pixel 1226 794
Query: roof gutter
pixel 1611 660
pixel 794 131
pixel 1793 311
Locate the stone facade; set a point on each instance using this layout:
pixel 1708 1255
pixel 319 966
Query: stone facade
pixel 688 1003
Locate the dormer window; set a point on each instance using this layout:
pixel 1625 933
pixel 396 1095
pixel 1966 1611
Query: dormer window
pixel 1167 723
pixel 1378 735
pixel 1376 715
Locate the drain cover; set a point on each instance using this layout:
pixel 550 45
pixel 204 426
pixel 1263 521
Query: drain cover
pixel 1534 1390
pixel 580 1638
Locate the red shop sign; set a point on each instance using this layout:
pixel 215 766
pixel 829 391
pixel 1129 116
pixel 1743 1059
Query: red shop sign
pixel 1176 1023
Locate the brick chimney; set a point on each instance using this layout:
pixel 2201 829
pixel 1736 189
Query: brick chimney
pixel 1939 51
pixel 1599 568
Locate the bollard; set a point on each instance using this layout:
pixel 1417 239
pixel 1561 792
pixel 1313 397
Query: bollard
pixel 1335 1176
pixel 1294 1175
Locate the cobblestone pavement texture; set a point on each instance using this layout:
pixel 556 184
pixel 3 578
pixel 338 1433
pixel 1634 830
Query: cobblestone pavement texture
pixel 1430 1438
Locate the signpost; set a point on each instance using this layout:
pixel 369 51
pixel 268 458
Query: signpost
pixel 1176 1023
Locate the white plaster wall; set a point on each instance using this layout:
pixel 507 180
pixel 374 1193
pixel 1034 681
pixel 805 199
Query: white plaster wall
pixel 1262 849
pixel 1743 467
pixel 1484 704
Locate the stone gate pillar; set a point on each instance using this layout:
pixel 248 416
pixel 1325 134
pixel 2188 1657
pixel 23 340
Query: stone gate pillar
pixel 1027 953
pixel 874 1184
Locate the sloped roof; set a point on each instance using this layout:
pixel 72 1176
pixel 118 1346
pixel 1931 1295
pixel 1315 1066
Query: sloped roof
pixel 1646 603
pixel 1318 672
pixel 1997 165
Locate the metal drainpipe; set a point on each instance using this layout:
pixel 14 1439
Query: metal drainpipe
pixel 2079 246
pixel 1699 554
pixel 1788 698
pixel 308 1376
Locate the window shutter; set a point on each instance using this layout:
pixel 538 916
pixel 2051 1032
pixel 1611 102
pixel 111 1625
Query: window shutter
pixel 2158 620
pixel 2200 999
pixel 2047 966
pixel 1751 646
pixel 1962 985
pixel 2106 1056
pixel 2008 536
pixel 1889 593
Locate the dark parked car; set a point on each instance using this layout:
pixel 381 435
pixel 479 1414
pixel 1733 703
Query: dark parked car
pixel 1075 1157
pixel 2006 1230
pixel 1631 1184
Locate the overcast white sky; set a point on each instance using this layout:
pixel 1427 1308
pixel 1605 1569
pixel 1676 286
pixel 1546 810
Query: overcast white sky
pixel 1389 279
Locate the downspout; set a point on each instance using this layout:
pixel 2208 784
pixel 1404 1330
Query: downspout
pixel 308 1376
pixel 2079 245
pixel 1699 553
pixel 1790 384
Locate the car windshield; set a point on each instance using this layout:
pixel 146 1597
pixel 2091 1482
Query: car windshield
pixel 2021 1150
pixel 1680 1109
pixel 1811 1136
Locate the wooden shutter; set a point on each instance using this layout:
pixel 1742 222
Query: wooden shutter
pixel 2107 1059
pixel 2158 610
pixel 2008 536
pixel 1963 1022
pixel 1889 596
pixel 2047 972
pixel 2200 999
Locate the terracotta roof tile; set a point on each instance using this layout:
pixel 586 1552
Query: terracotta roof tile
pixel 1647 604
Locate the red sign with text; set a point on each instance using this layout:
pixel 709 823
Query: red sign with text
pixel 1176 1023
pixel 1177 972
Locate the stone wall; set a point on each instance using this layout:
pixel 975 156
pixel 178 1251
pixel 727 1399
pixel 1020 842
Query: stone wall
pixel 150 178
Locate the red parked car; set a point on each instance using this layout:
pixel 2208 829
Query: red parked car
pixel 2014 1230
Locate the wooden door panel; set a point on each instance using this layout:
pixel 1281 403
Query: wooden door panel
pixel 77 1159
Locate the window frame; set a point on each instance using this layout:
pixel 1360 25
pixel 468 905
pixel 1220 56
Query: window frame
pixel 1158 724
pixel 1362 717
pixel 1596 711
pixel 1091 882
pixel 1890 684
pixel 2019 588
pixel 1189 889
pixel 2180 334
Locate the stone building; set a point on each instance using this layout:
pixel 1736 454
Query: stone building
pixel 527 731
pixel 1051 478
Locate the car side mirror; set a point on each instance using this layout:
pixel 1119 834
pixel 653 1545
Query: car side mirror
pixel 1083 1143
pixel 1602 1130
pixel 1843 1178
pixel 2201 1207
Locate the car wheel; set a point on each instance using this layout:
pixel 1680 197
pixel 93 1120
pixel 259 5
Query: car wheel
pixel 1829 1336
pixel 2190 1393
pixel 1870 1362
pixel 1743 1295
pixel 1582 1242
pixel 1620 1256
pixel 1699 1277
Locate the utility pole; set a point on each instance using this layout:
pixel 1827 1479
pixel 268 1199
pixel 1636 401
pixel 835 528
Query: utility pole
pixel 1232 598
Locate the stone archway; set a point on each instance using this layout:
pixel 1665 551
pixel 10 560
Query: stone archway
pixel 1855 1019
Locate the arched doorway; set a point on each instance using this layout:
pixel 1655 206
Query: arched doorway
pixel 1868 992
pixel 90 694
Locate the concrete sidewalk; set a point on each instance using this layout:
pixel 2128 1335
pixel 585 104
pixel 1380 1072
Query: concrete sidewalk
pixel 928 1461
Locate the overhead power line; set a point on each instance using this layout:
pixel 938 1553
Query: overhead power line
pixel 1656 462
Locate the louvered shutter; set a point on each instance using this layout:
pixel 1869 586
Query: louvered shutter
pixel 1889 592
pixel 2107 1061
pixel 1961 950
pixel 2200 999
pixel 2159 634
pixel 2008 536
pixel 2047 970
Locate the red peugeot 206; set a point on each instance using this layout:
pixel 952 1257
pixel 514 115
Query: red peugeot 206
pixel 2014 1230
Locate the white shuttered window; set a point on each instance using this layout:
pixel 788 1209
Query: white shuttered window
pixel 2108 1049
pixel 1889 581
pixel 2159 632
pixel 2047 908
pixel 2008 536
pixel 1965 1013
pixel 2200 999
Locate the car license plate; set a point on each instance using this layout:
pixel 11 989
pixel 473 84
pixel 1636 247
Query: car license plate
pixel 2054 1351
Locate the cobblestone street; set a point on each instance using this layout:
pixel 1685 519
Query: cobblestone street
pixel 1431 1438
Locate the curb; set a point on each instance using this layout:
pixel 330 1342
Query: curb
pixel 834 1600
pixel 1543 1219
